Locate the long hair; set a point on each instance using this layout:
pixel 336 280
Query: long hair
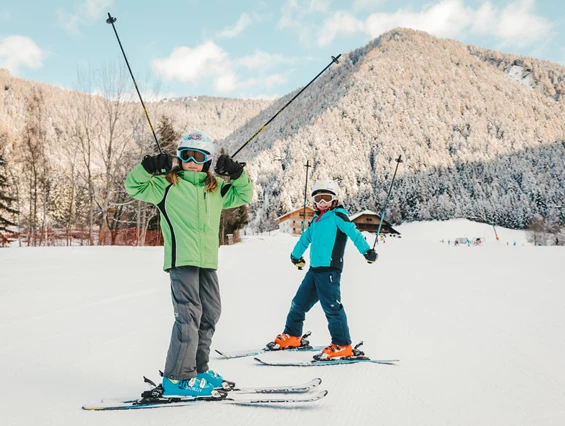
pixel 211 182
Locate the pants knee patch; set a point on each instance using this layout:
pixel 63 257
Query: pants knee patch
pixel 335 306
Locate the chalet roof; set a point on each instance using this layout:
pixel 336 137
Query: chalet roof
pixel 364 212
pixel 301 209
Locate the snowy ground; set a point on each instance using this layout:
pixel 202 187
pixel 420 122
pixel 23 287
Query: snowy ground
pixel 479 332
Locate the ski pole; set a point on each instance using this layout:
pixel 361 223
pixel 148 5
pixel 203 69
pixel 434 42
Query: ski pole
pixel 398 161
pixel 111 21
pixel 334 61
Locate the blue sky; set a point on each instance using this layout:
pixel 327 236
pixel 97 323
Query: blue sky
pixel 250 48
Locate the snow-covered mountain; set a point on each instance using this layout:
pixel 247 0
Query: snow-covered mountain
pixel 216 116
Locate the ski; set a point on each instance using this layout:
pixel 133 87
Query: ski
pixel 232 398
pixel 252 352
pixel 154 398
pixel 358 356
pixel 312 363
pixel 303 388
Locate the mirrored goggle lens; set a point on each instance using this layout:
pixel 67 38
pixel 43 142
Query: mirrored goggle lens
pixel 199 157
pixel 328 198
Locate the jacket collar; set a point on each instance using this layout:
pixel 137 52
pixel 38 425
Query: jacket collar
pixel 195 178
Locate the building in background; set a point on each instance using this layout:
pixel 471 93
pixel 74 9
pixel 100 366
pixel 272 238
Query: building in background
pixel 368 221
pixel 291 222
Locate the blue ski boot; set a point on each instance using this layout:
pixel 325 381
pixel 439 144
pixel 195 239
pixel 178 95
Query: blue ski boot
pixel 216 380
pixel 195 387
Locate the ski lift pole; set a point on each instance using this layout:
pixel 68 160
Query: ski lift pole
pixel 495 234
pixel 398 161
pixel 111 21
pixel 334 61
pixel 305 192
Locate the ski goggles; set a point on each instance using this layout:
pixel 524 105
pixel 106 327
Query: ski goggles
pixel 325 197
pixel 199 157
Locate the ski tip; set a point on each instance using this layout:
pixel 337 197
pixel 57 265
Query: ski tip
pixel 217 351
pixel 388 361
pixel 321 394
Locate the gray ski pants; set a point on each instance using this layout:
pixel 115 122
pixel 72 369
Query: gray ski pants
pixel 197 306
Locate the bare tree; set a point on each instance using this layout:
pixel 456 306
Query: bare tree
pixel 35 166
pixel 538 231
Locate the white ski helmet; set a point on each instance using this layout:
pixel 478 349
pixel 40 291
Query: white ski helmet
pixel 325 186
pixel 196 140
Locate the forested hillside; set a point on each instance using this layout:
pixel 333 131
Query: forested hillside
pixel 67 153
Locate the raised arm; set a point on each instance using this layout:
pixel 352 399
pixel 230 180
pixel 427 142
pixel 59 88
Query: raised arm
pixel 143 186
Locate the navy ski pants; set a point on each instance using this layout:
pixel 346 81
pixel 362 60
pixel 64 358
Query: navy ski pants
pixel 325 287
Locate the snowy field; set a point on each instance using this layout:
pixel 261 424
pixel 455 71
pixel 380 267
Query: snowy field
pixel 479 331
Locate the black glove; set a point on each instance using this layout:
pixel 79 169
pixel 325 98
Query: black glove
pixel 299 263
pixel 227 166
pixel 371 256
pixel 160 163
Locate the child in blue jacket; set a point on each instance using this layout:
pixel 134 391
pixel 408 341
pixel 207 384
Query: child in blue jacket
pixel 327 235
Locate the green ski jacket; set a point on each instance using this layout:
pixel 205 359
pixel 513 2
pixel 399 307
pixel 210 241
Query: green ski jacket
pixel 190 216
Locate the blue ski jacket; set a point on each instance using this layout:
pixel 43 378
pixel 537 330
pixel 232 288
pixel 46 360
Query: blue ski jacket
pixel 328 234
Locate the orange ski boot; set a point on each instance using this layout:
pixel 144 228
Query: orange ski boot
pixel 285 341
pixel 334 351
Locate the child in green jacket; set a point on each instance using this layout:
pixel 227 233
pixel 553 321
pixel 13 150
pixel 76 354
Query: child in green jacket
pixel 190 202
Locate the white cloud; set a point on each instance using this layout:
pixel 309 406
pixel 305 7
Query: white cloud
pixel 297 16
pixel 264 60
pixel 190 65
pixel 516 24
pixel 83 14
pixel 444 19
pixel 231 32
pixel 97 8
pixel 209 61
pixel 226 82
pixel 17 51
pixel 339 23
pixel 230 83
pixel 68 21
pixel 274 80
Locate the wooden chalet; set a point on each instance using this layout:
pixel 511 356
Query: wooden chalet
pixel 368 221
pixel 291 222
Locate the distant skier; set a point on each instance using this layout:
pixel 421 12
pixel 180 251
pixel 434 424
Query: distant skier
pixel 327 235
pixel 190 202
